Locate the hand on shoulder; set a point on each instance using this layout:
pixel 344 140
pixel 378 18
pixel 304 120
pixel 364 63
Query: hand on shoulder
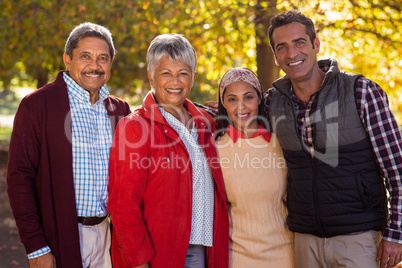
pixel 213 104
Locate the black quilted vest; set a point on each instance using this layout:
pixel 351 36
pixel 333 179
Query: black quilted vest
pixel 340 189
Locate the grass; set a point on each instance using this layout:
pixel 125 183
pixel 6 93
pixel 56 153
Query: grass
pixel 5 134
pixel 8 106
pixel 8 103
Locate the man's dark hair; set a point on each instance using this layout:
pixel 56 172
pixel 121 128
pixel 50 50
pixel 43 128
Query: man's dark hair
pixel 88 29
pixel 286 18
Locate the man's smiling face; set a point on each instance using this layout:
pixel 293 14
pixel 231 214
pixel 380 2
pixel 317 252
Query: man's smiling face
pixel 294 52
pixel 91 63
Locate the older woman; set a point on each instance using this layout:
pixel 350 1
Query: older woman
pixel 166 195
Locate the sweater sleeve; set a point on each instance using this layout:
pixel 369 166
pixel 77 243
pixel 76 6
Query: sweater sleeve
pixel 22 172
pixel 127 182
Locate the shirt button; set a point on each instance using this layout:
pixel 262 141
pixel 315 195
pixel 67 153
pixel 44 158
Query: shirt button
pixel 168 160
pixel 165 130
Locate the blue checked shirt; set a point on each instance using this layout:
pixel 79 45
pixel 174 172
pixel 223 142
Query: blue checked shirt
pixel 203 188
pixel 91 142
pixel 92 139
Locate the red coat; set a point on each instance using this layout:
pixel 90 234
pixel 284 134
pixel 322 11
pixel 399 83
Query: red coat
pixel 40 171
pixel 150 191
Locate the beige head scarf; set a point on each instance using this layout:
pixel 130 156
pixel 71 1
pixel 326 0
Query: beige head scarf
pixel 239 74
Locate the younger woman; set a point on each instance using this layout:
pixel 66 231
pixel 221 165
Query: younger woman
pixel 254 173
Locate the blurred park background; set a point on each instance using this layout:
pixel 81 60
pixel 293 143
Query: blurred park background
pixel 363 35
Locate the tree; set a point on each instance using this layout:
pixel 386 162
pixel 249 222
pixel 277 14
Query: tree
pixel 220 31
pixel 267 71
pixel 363 35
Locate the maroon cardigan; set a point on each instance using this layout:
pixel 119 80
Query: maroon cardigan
pixel 40 175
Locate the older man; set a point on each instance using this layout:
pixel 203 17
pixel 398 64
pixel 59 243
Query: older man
pixel 59 154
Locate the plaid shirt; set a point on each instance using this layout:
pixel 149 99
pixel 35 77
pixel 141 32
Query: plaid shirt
pixel 303 111
pixel 91 142
pixel 380 124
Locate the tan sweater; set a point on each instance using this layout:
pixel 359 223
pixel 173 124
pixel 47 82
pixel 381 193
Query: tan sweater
pixel 254 173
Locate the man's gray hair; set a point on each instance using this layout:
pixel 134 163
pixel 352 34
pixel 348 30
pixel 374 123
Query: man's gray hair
pixel 89 29
pixel 176 46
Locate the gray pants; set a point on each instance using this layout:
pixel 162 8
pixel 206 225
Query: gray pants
pixel 350 251
pixel 195 257
pixel 95 244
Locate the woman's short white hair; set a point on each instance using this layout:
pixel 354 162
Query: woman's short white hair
pixel 176 46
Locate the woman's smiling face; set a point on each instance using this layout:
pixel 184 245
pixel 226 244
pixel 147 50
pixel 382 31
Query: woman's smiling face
pixel 171 81
pixel 241 101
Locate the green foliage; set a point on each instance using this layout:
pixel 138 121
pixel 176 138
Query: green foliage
pixel 363 35
pixel 220 31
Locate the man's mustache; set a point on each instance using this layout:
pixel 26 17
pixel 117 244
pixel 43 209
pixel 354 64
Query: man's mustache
pixel 95 72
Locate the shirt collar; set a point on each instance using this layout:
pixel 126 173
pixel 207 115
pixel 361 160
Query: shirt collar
pixel 79 92
pixel 299 101
pixel 172 121
pixel 235 134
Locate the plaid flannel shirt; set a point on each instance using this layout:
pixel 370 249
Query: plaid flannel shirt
pixel 376 116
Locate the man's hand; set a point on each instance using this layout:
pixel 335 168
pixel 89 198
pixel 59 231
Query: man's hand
pixel 44 261
pixel 389 254
pixel 213 104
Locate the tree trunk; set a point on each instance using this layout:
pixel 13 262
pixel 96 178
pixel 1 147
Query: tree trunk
pixel 267 70
pixel 41 76
pixel 7 86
